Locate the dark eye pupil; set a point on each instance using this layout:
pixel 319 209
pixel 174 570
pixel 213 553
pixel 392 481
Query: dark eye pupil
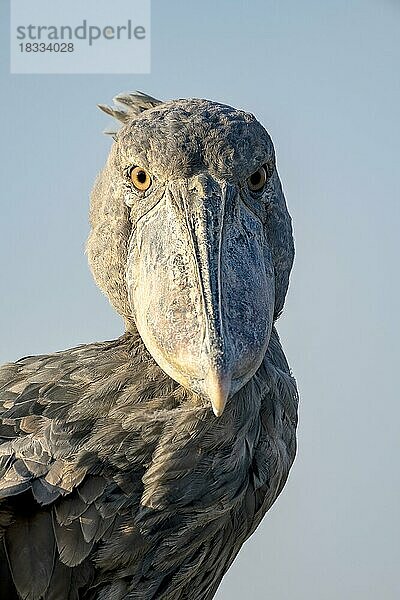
pixel 256 178
pixel 141 176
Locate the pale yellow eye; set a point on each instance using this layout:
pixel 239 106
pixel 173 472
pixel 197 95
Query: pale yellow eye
pixel 140 178
pixel 257 180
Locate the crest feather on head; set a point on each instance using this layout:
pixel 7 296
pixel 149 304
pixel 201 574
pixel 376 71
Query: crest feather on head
pixel 128 106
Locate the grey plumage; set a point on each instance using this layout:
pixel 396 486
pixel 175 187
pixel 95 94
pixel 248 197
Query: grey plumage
pixel 130 106
pixel 117 481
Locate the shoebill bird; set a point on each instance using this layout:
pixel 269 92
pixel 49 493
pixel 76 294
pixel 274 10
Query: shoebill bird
pixel 136 468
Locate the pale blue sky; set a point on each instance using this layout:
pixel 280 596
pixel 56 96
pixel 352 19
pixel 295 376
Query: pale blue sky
pixel 323 77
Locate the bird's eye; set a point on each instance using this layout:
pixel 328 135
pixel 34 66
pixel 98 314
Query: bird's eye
pixel 257 180
pixel 140 178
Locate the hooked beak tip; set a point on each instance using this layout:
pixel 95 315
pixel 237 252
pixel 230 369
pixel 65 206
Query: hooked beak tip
pixel 217 388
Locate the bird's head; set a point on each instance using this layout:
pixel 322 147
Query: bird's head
pixel 191 239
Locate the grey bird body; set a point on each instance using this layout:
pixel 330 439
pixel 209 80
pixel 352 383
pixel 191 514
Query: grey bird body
pixel 137 468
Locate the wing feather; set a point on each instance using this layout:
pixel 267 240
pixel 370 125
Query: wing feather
pixel 72 547
pixel 30 548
